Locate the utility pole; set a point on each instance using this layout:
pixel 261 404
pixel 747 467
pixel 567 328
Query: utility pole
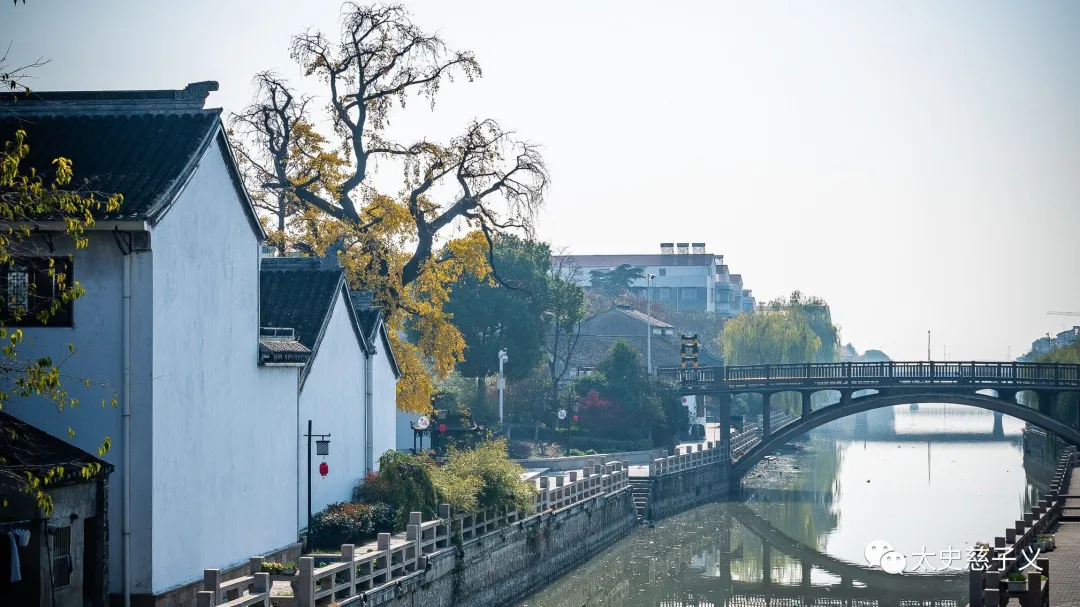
pixel 648 325
pixel 928 345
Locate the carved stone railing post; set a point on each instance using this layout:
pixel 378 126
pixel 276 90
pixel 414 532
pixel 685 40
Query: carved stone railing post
pixel 305 584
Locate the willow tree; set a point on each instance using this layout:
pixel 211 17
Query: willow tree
pixel 769 337
pixel 772 335
pixel 453 199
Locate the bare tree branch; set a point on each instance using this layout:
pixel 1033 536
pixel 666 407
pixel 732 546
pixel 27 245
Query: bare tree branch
pixel 379 61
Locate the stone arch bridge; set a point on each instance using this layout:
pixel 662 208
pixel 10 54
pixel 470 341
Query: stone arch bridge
pixel 867 386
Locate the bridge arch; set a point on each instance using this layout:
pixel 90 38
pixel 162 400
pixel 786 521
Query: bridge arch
pixel 868 403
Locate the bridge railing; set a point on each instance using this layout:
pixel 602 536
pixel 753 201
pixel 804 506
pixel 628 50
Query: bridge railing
pixel 752 433
pixel 1021 544
pixel 868 374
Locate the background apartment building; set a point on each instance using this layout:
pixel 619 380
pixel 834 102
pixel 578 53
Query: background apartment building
pixel 686 277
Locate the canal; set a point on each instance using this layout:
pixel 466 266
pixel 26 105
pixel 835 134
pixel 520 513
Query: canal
pixel 930 482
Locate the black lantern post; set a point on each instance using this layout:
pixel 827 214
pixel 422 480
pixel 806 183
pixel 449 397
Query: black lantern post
pixel 322 445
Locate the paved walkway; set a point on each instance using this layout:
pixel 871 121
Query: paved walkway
pixel 1065 559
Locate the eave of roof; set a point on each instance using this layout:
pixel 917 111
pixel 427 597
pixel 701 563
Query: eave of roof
pixel 47 452
pixel 149 157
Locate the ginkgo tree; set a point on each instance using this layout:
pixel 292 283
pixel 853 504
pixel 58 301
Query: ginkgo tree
pixel 410 245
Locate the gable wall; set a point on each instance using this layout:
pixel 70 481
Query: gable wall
pixel 384 405
pixel 224 458
pixel 333 399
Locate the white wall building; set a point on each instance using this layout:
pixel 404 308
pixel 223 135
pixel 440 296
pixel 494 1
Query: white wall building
pixel 686 277
pixel 204 436
pixel 350 353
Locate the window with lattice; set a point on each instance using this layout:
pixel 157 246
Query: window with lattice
pixel 30 286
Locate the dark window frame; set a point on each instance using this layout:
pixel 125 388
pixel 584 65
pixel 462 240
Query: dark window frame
pixel 63 564
pixel 41 290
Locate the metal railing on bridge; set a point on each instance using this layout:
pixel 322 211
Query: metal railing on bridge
pixel 752 432
pixel 809 375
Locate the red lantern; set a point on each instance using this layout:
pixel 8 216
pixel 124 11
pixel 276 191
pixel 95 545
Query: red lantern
pixel 324 469
pixel 575 418
pixel 442 427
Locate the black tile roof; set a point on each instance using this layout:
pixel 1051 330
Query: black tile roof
pixel 298 293
pixel 26 448
pixel 367 312
pixel 142 156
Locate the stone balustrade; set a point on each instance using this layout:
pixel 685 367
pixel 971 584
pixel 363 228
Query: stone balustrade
pixel 687 457
pixel 358 570
pixel 563 489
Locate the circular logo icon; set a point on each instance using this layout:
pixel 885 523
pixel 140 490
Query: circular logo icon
pixel 893 562
pixel 875 550
pixel 423 423
pixel 562 413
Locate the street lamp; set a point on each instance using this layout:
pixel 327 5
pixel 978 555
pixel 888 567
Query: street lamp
pixel 648 324
pixel 322 443
pixel 502 384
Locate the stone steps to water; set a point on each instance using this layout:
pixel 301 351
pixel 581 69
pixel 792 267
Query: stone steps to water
pixel 641 492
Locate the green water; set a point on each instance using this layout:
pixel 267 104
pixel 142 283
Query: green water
pixel 931 481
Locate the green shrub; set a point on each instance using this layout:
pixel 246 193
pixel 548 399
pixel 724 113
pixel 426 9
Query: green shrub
pixel 406 483
pixel 471 479
pixel 490 475
pixel 603 445
pixel 350 523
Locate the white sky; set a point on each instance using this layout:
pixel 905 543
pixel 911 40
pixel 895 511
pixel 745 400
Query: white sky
pixel 915 163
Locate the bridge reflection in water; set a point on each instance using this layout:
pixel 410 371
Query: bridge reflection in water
pixel 731 555
pixel 775 546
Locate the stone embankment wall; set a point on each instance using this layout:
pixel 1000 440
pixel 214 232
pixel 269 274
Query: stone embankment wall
pixel 675 493
pixel 474 560
pixel 506 566
pixel 503 570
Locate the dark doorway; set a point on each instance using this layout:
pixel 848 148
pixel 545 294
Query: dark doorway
pixel 93 591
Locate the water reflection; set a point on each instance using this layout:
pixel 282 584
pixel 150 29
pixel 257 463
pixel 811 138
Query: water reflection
pixel 798 533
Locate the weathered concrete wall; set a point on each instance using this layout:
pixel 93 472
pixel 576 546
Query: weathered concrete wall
pixel 674 493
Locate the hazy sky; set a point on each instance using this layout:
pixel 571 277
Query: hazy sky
pixel 917 164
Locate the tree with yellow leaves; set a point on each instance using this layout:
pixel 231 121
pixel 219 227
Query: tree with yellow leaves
pixel 24 197
pixel 477 185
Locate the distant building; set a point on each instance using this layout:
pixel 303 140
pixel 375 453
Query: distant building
pixel 621 323
pixel 1046 344
pixel 685 277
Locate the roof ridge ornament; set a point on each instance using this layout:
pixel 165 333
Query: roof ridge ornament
pixel 192 98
